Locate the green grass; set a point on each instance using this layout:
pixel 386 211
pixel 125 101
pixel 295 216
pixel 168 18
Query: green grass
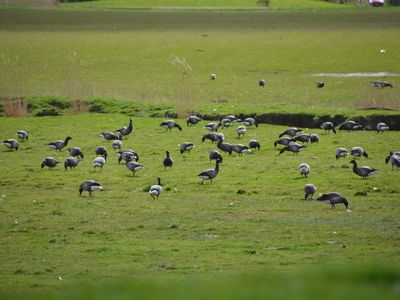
pixel 192 230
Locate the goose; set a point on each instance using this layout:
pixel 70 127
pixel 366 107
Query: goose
pixel 117 144
pixel 241 131
pixel 350 125
pixel 249 122
pixel 99 162
pixel 193 120
pixel 75 151
pixel 213 76
pixel 89 186
pixel 11 144
pixel 213 137
pixel 225 123
pixel 291 131
pixel 127 155
pixel 341 152
pixel 134 167
pixel 309 190
pixel 253 144
pixel 101 150
pixel 127 130
pixel 320 84
pixel 59 145
pixel 211 126
pixel 49 162
pixel 186 147
pixel 210 174
pixel 363 171
pixel 240 149
pixel 156 189
pixel 304 169
pixel 381 84
pixel 169 124
pixel 110 136
pixel 393 159
pixel 314 138
pixel 215 155
pixel 262 83
pixel 284 141
pixel 326 126
pixel 381 127
pixel 71 162
pixel 224 147
pixel 232 118
pixel 358 151
pixel 294 147
pixel 22 135
pixel 168 161
pixel 303 138
pixel 333 199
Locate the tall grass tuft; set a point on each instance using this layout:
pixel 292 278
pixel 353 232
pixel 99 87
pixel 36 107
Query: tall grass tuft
pixel 79 106
pixel 183 88
pixel 14 107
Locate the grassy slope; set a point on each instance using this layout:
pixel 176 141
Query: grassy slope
pixel 48 231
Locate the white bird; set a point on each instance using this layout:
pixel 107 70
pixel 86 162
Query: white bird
pixel 99 162
pixel 304 169
pixel 156 189
pixel 213 76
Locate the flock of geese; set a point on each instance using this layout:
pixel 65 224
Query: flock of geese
pixel 293 140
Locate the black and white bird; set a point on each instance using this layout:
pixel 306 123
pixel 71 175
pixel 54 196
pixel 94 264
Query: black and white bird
pixel 134 167
pixel 156 189
pixel 186 147
pixel 116 145
pixel 381 127
pixel 59 145
pixel 99 162
pixel 211 126
pixel 291 132
pixel 302 137
pixel 225 147
pixel 102 151
pixel 309 190
pixel 168 161
pixel 358 152
pixel 213 76
pixel 127 155
pixel 210 174
pixel 71 162
pixel 249 122
pixel 193 120
pixel 232 118
pixel 240 149
pixel 89 186
pixel 75 152
pixel 262 83
pixel 293 147
pixel 11 144
pixel 326 126
pixel 333 199
pixel 284 141
pixel 254 144
pixel 350 125
pixel 381 84
pixel 22 135
pixel 127 130
pixel 241 131
pixel 49 162
pixel 363 171
pixel 320 84
pixel 110 136
pixel 215 155
pixel 225 123
pixel 394 160
pixel 213 137
pixel 341 152
pixel 304 169
pixel 169 124
pixel 314 138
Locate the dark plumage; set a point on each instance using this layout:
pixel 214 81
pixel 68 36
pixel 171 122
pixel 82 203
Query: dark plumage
pixel 127 155
pixel 240 149
pixel 249 122
pixel 309 190
pixel 326 126
pixel 89 186
pixel 232 118
pixel 117 144
pixel 303 138
pixel 110 136
pixel 211 126
pixel 225 123
pixel 350 125
pixel 241 131
pixel 101 150
pixel 75 151
pixel 169 124
pixel 333 199
pixel 99 162
pixel 294 147
pixel 314 138
pixel 11 144
pixel 262 82
pixel 215 155
pixel 186 147
pixel 304 169
pixel 134 167
pixel 59 145
pixel 49 162
pixel 341 152
pixel 22 135
pixel 156 189
pixel 225 147
pixel 284 141
pixel 193 120
pixel 394 160
pixel 210 174
pixel 363 171
pixel 213 137
pixel 358 152
pixel 168 161
pixel 320 84
pixel 291 132
pixel 381 84
pixel 381 127
pixel 125 131
pixel 254 144
pixel 71 162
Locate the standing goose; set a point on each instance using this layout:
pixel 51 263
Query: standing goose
pixel 350 125
pixel 59 145
pixel 117 144
pixel 71 162
pixel 309 190
pixel 224 147
pixel 358 151
pixel 261 83
pixel 304 169
pixel 89 186
pixel 341 152
pixel 381 127
pixel 211 126
pixel 210 174
pixel 102 151
pixel 249 122
pixel 75 151
pixel 254 144
pixel 127 155
pixel 240 149
pixel 294 147
pixel 291 132
pixel 363 171
pixel 186 147
pixel 168 161
pixel 284 141
pixel 169 124
pixel 49 162
pixel 22 135
pixel 215 155
pixel 99 162
pixel 393 159
pixel 334 198
pixel 110 136
pixel 314 138
pixel 224 123
pixel 241 131
pixel 11 144
pixel 134 167
pixel 125 131
pixel 156 189
pixel 320 84
pixel 193 120
pixel 326 126
pixel 213 137
pixel 303 138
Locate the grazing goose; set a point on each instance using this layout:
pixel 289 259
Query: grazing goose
pixel 314 138
pixel 211 126
pixel 224 147
pixel 241 131
pixel 22 135
pixel 233 118
pixel 169 124
pixel 186 147
pixel 49 162
pixel 393 159
pixel 125 131
pixel 89 186
pixel 334 198
pixel 294 147
pixel 240 149
pixel 350 125
pixel 358 151
pixel 213 137
pixel 224 123
pixel 193 120
pixel 101 150
pixel 11 144
pixel 99 162
pixel 249 122
pixel 291 132
pixel 341 152
pixel 303 138
pixel 134 167
pixel 215 155
pixel 127 155
pixel 304 169
pixel 168 161
pixel 117 144
pixel 156 189
pixel 262 83
pixel 253 144
pixel 320 84
pixel 59 145
pixel 309 190
pixel 71 162
pixel 363 171
pixel 326 126
pixel 110 136
pixel 210 174
pixel 381 84
pixel 284 141
pixel 213 76
pixel 381 127
pixel 75 151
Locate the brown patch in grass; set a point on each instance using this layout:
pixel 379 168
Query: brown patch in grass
pixel 14 107
pixel 79 106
